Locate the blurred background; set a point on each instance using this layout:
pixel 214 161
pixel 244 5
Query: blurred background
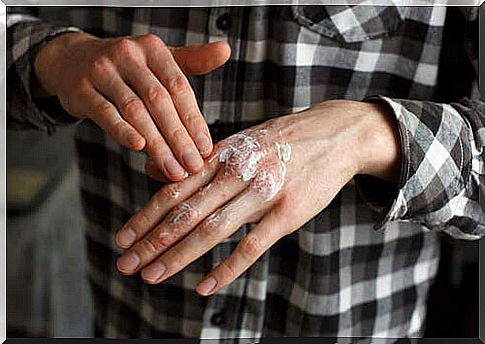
pixel 47 290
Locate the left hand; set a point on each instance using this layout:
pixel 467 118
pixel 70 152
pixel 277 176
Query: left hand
pixel 279 174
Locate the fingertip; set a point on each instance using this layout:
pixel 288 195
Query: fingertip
pixel 204 144
pixel 225 52
pixel 172 169
pixel 139 146
pixel 136 142
pixel 128 263
pixel 196 169
pixel 206 287
pixel 177 177
pixel 192 161
pixel 207 153
pixel 220 53
pixel 200 294
pixel 117 241
pixel 125 238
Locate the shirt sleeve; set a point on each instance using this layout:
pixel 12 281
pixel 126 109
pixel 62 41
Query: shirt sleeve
pixel 26 34
pixel 442 180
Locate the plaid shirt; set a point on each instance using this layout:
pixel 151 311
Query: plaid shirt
pixel 361 267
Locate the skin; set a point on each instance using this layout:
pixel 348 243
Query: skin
pixel 330 143
pixel 135 89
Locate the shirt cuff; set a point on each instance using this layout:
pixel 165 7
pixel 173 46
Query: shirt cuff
pixel 26 39
pixel 436 164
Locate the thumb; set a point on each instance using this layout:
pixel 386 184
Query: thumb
pixel 203 58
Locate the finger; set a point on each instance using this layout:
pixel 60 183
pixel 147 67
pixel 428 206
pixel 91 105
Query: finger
pixel 160 104
pixel 257 241
pixel 154 172
pixel 209 233
pixel 201 59
pixel 134 111
pixel 161 61
pixel 105 114
pixel 161 203
pixel 180 221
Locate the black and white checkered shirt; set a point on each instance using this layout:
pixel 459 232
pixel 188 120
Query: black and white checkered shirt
pixel 364 265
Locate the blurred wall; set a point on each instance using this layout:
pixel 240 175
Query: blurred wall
pixel 47 290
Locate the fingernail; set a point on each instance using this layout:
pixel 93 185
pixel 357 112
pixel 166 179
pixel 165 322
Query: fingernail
pixel 192 159
pixel 153 272
pixel 206 286
pixel 126 237
pixel 128 262
pixel 204 143
pixel 173 167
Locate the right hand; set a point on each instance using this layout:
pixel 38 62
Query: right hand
pixel 135 89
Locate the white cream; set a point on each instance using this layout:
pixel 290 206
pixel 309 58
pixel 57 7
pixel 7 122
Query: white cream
pixel 242 155
pixel 253 155
pixel 184 213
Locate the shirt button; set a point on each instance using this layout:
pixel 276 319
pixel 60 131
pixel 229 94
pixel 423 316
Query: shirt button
pixel 224 22
pixel 218 319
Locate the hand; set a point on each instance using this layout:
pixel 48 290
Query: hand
pixel 279 175
pixel 135 89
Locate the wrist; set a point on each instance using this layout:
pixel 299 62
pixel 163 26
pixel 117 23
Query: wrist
pixel 48 61
pixel 379 152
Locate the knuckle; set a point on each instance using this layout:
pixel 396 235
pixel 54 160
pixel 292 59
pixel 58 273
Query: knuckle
pixel 84 85
pixel 232 170
pixel 178 134
pixel 171 190
pixel 132 107
pixel 177 85
pixel 211 229
pixel 124 47
pixel 155 243
pixel 119 129
pixel 155 95
pixel 227 271
pixel 155 147
pixel 194 120
pixel 183 214
pixel 142 220
pixel 150 39
pixel 250 247
pixel 177 259
pixel 100 66
pixel 104 109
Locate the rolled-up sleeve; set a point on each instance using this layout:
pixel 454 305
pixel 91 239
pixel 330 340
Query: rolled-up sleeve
pixel 443 170
pixel 26 34
pixel 442 180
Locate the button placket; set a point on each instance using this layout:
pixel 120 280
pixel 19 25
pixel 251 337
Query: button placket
pixel 213 105
pixel 221 20
pixel 221 315
pixel 218 319
pixel 224 21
